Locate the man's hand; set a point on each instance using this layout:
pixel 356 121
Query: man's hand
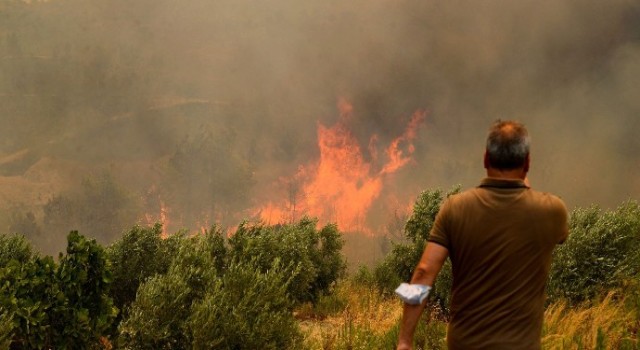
pixel 403 346
pixel 425 273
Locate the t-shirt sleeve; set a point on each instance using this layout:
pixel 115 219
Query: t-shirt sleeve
pixel 562 221
pixel 440 231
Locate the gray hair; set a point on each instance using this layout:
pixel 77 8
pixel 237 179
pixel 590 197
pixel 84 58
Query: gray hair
pixel 507 145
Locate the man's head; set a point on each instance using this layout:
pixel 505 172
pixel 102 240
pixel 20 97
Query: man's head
pixel 507 147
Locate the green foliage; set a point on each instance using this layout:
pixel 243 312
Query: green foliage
pixel 246 309
pixel 201 259
pixel 328 305
pixel 14 247
pixel 601 253
pixel 49 305
pixel 28 293
pixel 316 253
pixel 156 318
pixel 6 329
pixel 424 213
pixel 141 253
pixel 398 266
pixel 163 303
pixel 84 277
pixel 236 293
pixel 364 276
pixel 193 307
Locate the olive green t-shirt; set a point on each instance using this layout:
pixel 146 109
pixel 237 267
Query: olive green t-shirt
pixel 500 237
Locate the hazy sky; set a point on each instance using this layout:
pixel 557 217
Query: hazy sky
pixel 122 84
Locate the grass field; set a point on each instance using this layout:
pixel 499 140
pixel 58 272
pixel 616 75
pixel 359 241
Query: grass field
pixel 361 318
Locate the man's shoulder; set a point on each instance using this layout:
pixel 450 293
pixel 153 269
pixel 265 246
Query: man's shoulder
pixel 464 195
pixel 547 199
pixel 461 197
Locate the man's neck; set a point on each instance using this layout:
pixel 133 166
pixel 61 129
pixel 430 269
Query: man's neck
pixel 507 174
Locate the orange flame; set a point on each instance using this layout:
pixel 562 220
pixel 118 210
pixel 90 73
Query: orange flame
pixel 163 216
pixel 396 157
pixel 342 186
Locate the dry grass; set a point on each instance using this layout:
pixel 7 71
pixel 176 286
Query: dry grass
pixel 604 325
pixel 366 314
pixel 365 317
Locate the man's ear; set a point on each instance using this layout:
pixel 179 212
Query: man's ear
pixel 527 162
pixel 486 160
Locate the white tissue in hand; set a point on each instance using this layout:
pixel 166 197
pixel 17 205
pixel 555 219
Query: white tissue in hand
pixel 413 293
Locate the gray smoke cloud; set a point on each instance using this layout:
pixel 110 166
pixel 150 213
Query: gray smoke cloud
pixel 203 105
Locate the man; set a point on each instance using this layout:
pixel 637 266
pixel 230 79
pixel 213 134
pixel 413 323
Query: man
pixel 499 237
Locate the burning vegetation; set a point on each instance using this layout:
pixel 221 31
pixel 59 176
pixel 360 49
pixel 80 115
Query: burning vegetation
pixel 343 183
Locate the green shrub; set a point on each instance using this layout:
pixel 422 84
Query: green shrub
pixel 14 247
pixel 316 253
pixel 138 255
pixel 398 266
pixel 601 253
pixel 63 305
pixel 86 312
pixel 6 329
pixel 246 309
pixel 193 307
pixel 329 305
pixel 27 296
pixel 156 319
pixel 200 260
pixel 364 276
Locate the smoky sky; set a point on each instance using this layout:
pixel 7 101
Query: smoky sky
pixel 129 85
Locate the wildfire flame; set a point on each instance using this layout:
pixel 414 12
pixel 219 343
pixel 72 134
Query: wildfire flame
pixel 163 217
pixel 342 186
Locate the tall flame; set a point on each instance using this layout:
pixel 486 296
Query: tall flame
pixel 342 186
pixel 163 216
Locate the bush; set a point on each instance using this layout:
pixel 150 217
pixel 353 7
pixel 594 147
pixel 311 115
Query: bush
pixel 398 266
pixel 193 306
pixel 27 296
pixel 51 305
pixel 235 294
pixel 600 254
pixel 316 253
pixel 14 247
pixel 156 318
pixel 84 278
pixel 246 309
pixel 140 254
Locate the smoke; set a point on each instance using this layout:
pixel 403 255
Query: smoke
pixel 206 104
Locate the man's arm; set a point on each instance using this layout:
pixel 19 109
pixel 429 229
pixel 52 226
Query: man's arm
pixel 425 273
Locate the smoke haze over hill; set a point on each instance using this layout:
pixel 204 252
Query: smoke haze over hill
pixel 203 107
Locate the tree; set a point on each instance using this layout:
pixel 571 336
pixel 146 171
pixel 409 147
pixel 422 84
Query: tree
pixel 138 255
pixel 316 252
pixel 600 254
pixel 102 207
pixel 55 305
pixel 208 176
pixel 398 266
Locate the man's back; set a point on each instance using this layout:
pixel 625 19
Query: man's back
pixel 500 238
